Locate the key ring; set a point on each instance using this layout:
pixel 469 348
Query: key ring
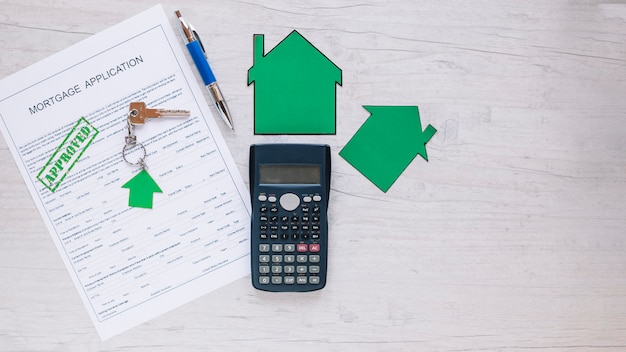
pixel 140 161
pixel 137 115
pixel 131 143
pixel 142 185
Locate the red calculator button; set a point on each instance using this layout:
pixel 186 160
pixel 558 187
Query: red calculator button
pixel 314 247
pixel 302 247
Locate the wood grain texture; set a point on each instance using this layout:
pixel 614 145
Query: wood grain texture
pixel 511 238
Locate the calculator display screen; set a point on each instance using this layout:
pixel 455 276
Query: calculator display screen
pixel 290 174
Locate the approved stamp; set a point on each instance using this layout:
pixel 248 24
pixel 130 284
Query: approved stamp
pixel 67 154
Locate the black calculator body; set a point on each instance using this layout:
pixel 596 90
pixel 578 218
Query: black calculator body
pixel 289 186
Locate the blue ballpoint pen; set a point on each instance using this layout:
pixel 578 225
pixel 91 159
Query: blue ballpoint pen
pixel 197 52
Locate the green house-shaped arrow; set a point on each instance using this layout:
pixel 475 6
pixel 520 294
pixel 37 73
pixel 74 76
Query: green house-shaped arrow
pixel 294 88
pixel 142 188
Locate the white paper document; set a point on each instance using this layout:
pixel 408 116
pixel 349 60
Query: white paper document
pixel 65 121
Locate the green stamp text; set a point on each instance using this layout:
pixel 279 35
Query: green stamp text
pixel 67 154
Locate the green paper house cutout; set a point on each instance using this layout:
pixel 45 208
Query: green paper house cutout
pixel 387 143
pixel 294 88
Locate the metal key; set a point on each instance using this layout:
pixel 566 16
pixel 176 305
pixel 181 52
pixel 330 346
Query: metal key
pixel 138 113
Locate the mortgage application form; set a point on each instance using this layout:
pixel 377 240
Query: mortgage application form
pixel 65 121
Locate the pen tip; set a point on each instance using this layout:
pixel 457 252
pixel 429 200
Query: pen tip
pixel 178 14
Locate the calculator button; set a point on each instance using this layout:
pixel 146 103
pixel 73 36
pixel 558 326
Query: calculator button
pixel 277 258
pixel 277 269
pixel 264 258
pixel 302 280
pixel 264 247
pixel 262 198
pixel 290 280
pixel 314 269
pixel 277 280
pixel 264 269
pixel 314 280
pixel 290 247
pixel 314 247
pixel 264 280
pixel 290 258
pixel 271 199
pixel 301 258
pixel 301 269
pixel 307 199
pixel 277 248
pixel 317 198
pixel 289 269
pixel 302 247
pixel 289 201
pixel 314 258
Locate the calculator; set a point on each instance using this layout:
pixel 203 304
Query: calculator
pixel 289 187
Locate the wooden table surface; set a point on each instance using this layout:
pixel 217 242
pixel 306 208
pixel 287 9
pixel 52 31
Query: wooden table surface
pixel 511 238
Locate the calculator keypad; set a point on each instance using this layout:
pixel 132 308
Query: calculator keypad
pixel 290 252
pixel 276 267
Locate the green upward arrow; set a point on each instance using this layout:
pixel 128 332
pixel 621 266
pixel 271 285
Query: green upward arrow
pixel 141 187
pixel 387 143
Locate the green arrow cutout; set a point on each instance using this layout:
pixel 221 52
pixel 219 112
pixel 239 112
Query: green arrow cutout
pixel 141 187
pixel 387 143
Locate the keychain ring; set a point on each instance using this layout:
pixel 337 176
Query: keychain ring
pixel 140 161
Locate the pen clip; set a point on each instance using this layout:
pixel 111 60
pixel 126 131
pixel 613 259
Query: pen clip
pixel 196 36
pixel 188 32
